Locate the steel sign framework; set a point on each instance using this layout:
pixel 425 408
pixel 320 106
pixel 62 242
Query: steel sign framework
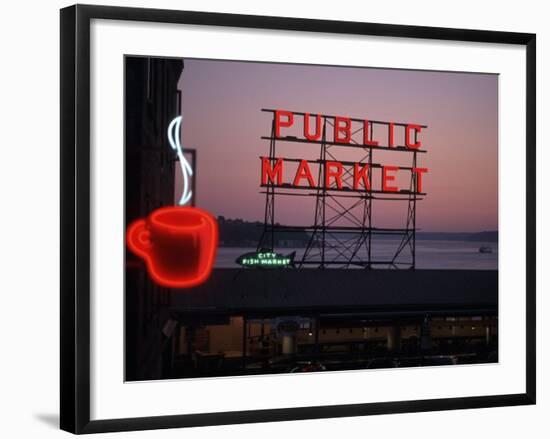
pixel 343 233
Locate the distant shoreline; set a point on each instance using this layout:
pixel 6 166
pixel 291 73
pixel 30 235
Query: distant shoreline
pixel 420 236
pixel 487 236
pixel 241 233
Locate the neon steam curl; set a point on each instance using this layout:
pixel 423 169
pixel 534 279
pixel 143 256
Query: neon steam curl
pixel 186 170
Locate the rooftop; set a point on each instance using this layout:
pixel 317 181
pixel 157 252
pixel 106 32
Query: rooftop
pixel 392 292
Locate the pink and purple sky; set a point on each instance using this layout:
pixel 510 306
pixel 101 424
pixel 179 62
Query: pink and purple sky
pixel 221 103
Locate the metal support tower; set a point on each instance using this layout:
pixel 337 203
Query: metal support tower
pixel 343 233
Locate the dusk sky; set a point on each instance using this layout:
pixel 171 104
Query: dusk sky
pixel 221 103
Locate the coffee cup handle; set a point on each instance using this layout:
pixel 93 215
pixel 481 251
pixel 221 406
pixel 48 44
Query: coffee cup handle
pixel 138 238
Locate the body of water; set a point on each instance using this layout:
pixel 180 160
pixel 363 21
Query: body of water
pixel 430 254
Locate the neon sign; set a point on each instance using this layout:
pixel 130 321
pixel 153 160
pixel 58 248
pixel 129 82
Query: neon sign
pixel 273 173
pixel 343 128
pixel 274 170
pixel 266 259
pixel 177 243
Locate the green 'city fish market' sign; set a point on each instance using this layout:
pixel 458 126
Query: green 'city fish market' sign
pixel 266 259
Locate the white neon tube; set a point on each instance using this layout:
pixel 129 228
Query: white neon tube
pixel 186 170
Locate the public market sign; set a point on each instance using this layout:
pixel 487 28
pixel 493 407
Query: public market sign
pixel 340 131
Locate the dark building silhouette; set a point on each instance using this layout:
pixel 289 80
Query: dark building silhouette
pixel 152 100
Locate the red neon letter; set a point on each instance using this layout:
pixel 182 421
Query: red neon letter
pixel 271 175
pixel 317 134
pixel 418 173
pixel 303 171
pixel 342 125
pixel 390 135
pixel 386 178
pixel 336 174
pixel 366 139
pixel 361 174
pixel 281 123
pixel 417 129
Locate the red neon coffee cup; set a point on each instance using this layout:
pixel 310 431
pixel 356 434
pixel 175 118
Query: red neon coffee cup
pixel 178 245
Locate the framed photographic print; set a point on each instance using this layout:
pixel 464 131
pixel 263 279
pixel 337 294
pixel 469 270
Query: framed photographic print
pixel 269 218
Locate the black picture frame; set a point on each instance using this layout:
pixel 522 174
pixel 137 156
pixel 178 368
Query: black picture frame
pixel 75 217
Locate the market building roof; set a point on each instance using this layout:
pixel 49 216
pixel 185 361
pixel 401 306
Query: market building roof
pixel 393 292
